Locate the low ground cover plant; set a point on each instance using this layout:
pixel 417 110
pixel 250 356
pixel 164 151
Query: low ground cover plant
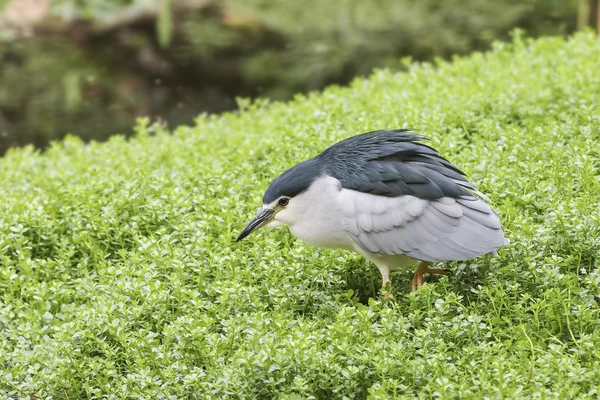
pixel 119 277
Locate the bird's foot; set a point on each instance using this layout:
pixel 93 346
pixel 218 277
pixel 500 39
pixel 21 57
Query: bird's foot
pixel 386 291
pixel 424 269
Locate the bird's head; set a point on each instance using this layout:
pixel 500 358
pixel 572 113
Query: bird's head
pixel 265 216
pixel 278 201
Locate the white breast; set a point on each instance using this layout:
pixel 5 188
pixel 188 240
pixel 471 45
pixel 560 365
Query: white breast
pixel 315 216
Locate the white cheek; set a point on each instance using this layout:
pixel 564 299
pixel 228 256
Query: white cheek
pixel 280 217
pixel 275 224
pixel 291 213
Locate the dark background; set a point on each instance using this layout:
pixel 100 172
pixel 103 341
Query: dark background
pixel 91 67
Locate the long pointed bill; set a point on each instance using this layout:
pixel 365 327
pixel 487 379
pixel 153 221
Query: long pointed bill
pixel 264 217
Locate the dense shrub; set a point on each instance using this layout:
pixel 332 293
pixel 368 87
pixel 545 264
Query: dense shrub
pixel 119 276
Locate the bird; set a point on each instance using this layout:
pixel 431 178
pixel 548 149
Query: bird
pixel 387 196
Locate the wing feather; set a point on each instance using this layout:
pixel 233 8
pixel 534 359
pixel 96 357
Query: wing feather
pixel 442 222
pixel 429 230
pixel 480 212
pixel 365 222
pixel 447 206
pixel 365 240
pixel 393 163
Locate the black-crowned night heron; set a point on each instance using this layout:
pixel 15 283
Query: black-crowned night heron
pixel 388 197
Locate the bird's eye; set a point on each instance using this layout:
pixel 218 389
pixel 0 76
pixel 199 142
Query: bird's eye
pixel 284 201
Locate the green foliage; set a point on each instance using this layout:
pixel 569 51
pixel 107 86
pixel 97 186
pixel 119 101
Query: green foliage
pixel 119 277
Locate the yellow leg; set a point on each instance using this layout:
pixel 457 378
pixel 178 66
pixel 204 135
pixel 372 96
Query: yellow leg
pixel 385 281
pixel 424 269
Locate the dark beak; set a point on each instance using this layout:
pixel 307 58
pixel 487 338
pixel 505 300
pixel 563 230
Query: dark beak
pixel 263 217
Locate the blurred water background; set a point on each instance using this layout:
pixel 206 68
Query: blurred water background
pixel 91 67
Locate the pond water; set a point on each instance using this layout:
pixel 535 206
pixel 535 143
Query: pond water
pixel 50 87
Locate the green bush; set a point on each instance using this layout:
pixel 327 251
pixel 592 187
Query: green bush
pixel 119 277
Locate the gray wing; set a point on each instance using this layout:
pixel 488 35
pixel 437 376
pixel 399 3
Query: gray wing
pixel 394 163
pixel 437 230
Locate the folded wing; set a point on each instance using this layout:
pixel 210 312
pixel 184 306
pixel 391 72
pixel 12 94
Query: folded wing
pixel 435 230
